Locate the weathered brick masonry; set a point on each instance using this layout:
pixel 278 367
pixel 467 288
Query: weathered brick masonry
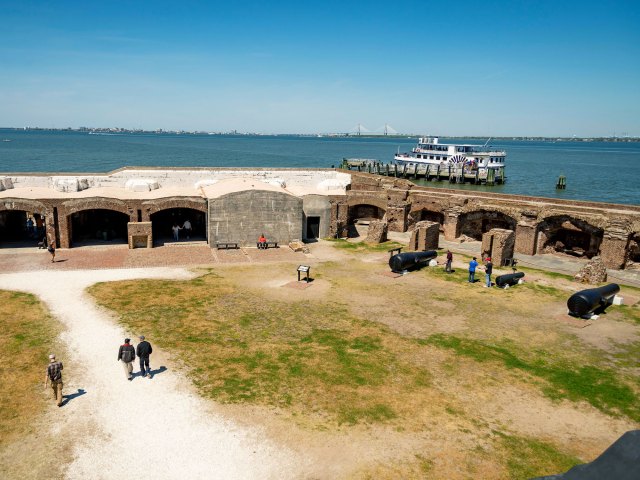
pixel 283 201
pixel 540 224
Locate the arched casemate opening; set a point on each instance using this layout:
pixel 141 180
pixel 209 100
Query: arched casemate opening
pixel 474 224
pixel 568 235
pixel 21 228
pixel 429 216
pixel 359 217
pixel 163 221
pixel 633 259
pixel 97 227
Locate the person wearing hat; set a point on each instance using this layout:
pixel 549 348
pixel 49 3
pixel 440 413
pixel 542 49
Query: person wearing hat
pixel 127 355
pixel 488 270
pixel 144 350
pixel 54 375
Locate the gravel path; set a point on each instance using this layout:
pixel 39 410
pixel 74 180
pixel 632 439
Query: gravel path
pixel 144 429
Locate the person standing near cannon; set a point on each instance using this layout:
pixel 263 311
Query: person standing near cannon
pixel 488 270
pixel 447 267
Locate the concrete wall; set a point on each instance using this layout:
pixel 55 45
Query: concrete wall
pixel 242 216
pixel 317 206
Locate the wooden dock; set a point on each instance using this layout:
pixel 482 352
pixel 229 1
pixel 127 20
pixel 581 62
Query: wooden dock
pixel 437 173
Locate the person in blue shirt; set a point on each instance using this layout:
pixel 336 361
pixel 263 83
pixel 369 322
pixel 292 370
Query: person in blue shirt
pixel 472 270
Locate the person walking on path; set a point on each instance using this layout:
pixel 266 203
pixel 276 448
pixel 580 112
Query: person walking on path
pixel 127 355
pixel 144 350
pixel 447 267
pixel 54 375
pixel 187 228
pixel 52 250
pixel 472 270
pixel 488 270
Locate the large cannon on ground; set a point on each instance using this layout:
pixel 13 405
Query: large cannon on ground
pixel 509 279
pixel 587 301
pixel 410 260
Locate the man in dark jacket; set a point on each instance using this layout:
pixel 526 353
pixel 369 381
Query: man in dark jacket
pixel 127 355
pixel 144 350
pixel 488 270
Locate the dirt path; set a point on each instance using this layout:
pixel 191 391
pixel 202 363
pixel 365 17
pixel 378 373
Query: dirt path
pixel 145 428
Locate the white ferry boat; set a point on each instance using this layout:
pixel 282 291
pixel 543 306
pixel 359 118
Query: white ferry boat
pixel 472 157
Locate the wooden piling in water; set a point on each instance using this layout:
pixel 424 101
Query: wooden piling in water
pixel 561 184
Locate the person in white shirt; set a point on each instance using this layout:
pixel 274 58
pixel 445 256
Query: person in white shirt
pixel 187 226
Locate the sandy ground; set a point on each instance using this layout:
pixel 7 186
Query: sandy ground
pixel 147 428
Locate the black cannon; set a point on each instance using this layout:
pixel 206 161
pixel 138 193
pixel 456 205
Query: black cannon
pixel 410 260
pixel 587 301
pixel 508 279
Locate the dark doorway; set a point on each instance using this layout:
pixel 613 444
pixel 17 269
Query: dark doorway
pixel 98 227
pixel 313 228
pixel 164 220
pixel 19 228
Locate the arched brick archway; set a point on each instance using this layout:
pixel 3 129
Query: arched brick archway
pixel 427 214
pixel 93 220
pixel 151 207
pixel 569 235
pixel 22 222
pixel 162 222
pixel 365 211
pixel 474 223
pixel 77 205
pixel 97 226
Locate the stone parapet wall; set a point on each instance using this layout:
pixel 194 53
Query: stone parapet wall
pixel 146 179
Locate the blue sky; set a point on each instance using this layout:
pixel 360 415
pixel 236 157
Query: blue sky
pixel 447 68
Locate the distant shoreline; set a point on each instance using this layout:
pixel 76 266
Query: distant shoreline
pixel 117 131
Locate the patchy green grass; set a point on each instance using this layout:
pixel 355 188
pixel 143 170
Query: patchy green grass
pixel 364 247
pixel 28 334
pixel 309 356
pixel 528 458
pixel 598 386
pixel 546 273
pixel 629 312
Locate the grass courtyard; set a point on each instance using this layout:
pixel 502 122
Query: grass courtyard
pixel 465 382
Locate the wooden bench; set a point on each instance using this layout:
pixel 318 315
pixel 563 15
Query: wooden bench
pixel 226 245
pixel 268 245
pixel 393 251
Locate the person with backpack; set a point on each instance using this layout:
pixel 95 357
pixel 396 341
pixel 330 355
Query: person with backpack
pixel 54 376
pixel 144 350
pixel 127 355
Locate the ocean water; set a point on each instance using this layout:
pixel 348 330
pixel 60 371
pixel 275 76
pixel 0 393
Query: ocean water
pixel 595 171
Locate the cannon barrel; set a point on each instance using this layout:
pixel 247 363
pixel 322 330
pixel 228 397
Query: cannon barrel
pixel 409 260
pixel 586 301
pixel 509 279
